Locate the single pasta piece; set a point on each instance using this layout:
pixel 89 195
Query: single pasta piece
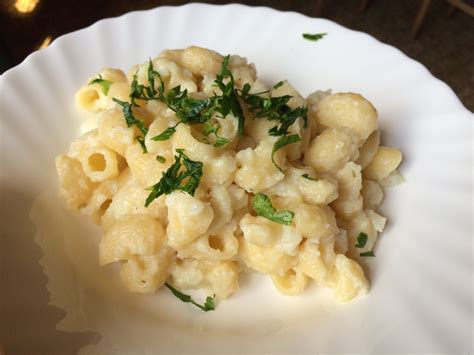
pixel 98 162
pixel 316 260
pixel 315 222
pixel 384 163
pixel 348 279
pixel 348 110
pixel 266 260
pixel 145 274
pixel 101 199
pixel 219 277
pixel 256 171
pixel 369 149
pixel 129 200
pixel 188 218
pixel 291 284
pixel 329 151
pixel 93 97
pixel 75 186
pixel 220 245
pixel 221 204
pixel 131 235
pixel 268 234
pixel 372 194
pixel 113 131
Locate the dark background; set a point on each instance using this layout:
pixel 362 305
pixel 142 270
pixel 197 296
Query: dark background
pixel 445 42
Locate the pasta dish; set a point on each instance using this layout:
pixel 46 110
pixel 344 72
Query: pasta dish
pixel 197 171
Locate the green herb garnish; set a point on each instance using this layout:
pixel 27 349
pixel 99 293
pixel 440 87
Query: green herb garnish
pixel 161 159
pixel 141 140
pixel 314 37
pixel 214 128
pixel 166 134
pixel 208 305
pixel 183 175
pixel 361 240
pixel 263 207
pixel 275 109
pixel 150 92
pixel 277 85
pixel 129 116
pixel 229 102
pixel 306 176
pixel 105 84
pixel 281 142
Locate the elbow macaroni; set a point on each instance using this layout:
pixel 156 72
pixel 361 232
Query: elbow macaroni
pixel 331 180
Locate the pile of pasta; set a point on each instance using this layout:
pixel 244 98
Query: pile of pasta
pixel 330 182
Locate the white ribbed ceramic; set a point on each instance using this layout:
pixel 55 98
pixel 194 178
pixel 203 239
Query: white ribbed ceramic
pixel 421 295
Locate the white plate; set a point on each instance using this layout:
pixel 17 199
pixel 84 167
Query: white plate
pixel 421 296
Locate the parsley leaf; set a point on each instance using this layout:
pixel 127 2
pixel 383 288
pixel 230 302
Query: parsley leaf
pixel 129 117
pixel 281 142
pixel 161 159
pixel 183 175
pixel 166 134
pixel 277 85
pixel 361 240
pixel 208 305
pixel 188 109
pixel 306 176
pixel 143 92
pixel 214 128
pixel 314 37
pixel 274 109
pixel 263 207
pixel 141 140
pixel 105 84
pixel 229 102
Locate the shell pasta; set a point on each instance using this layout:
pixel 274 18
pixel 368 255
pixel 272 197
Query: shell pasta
pixel 197 172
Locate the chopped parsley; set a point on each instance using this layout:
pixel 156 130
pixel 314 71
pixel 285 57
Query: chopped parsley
pixel 191 110
pixel 166 134
pixel 209 305
pixel 314 37
pixel 105 84
pixel 183 175
pixel 263 207
pixel 141 140
pixel 361 242
pixel 306 176
pixel 127 110
pixel 281 142
pixel 150 92
pixel 161 159
pixel 275 109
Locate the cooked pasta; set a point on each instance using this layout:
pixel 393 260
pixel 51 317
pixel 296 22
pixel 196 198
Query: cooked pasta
pixel 197 172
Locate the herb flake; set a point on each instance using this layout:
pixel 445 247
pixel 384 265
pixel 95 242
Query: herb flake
pixel 314 37
pixel 183 175
pixel 104 84
pixel 281 142
pixel 263 207
pixel 161 159
pixel 209 305
pixel 361 240
pixel 127 110
pixel 307 177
